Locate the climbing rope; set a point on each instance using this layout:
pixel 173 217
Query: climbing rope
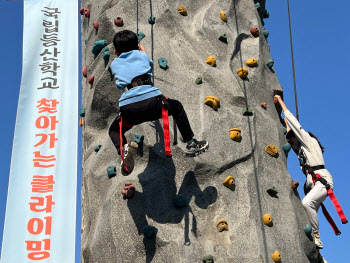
pixel 152 38
pixel 137 17
pixel 291 48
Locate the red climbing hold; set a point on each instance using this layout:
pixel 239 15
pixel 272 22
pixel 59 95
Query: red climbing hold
pixel 91 79
pixel 82 11
pixel 95 24
pixel 129 190
pixel 84 71
pixel 87 12
pixel 295 185
pixel 254 31
pixel 118 21
pixel 263 105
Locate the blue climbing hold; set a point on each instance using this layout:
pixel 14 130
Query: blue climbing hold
pixel 266 33
pixel 140 35
pixel 111 171
pixel 98 46
pixel 138 138
pixel 86 40
pixel 308 230
pixel 284 130
pixel 257 5
pixel 286 148
pixel 270 63
pixel 106 53
pixel 97 147
pixel 181 201
pixel 266 13
pixel 152 20
pixel 148 231
pixel 82 112
pixel 163 63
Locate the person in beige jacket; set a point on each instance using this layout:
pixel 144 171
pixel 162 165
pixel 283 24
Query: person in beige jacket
pixel 310 154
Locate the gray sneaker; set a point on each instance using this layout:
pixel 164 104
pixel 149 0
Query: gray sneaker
pixel 318 241
pixel 196 148
pixel 129 153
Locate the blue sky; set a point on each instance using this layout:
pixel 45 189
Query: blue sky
pixel 321 45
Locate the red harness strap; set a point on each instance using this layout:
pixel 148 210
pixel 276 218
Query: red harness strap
pixel 165 117
pixel 121 124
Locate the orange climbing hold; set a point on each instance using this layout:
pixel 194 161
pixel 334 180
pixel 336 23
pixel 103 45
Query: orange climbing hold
pixel 223 16
pixel 91 79
pixel 276 257
pixel 222 225
pixel 235 134
pixel 118 21
pixel 229 182
pixel 84 71
pixel 271 149
pixel 295 185
pixel 182 10
pixel 96 24
pixel 254 31
pixel 81 123
pixel 211 61
pixel 252 62
pixel 267 219
pixel 242 73
pixel 263 105
pixel 87 12
pixel 129 190
pixel 213 102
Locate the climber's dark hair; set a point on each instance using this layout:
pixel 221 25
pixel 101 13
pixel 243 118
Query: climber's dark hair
pixel 125 41
pixel 291 134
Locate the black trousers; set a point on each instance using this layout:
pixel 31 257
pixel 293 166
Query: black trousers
pixel 149 110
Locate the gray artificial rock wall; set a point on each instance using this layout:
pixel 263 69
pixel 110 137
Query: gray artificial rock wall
pixel 111 225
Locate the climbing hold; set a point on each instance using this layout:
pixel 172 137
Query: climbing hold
pixel 87 13
pixel 235 134
pixel 262 22
pixel 266 33
pixel 138 138
pixel 82 112
pixel 254 31
pixel 272 191
pixel 111 171
pixel 163 63
pixel 286 148
pixel 257 5
pixel 182 10
pixel 129 190
pixel 263 105
pixel 140 35
pixel 211 61
pixel 271 149
pixel 91 79
pixel 199 80
pixel 86 40
pixel 267 219
pixel 82 11
pixel 223 16
pixel 180 201
pixel 208 259
pixel 81 123
pixel 252 62
pixel 266 13
pixel 222 225
pixel 84 71
pixel 270 63
pixel 98 46
pixel 242 73
pixel 118 21
pixel 308 230
pixel 223 38
pixel 97 147
pixel 276 257
pixel 152 20
pixel 95 24
pixel 148 231
pixel 229 182
pixel 212 101
pixel 106 53
pixel 295 185
pixel 284 130
pixel 247 112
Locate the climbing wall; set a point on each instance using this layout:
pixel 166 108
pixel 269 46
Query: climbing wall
pixel 230 216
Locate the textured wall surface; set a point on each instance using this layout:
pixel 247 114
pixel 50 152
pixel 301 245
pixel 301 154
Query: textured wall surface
pixel 112 226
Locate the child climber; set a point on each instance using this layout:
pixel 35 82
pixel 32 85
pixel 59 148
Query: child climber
pixel 141 101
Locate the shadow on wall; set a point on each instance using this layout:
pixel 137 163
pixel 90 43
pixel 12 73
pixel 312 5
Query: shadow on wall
pixel 156 201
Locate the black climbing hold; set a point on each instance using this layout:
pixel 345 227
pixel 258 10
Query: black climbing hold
pixel 97 147
pixel 199 80
pixel 266 13
pixel 163 63
pixel 272 191
pixel 140 35
pixel 148 231
pixel 270 63
pixel 152 20
pixel 223 38
pixel 138 138
pixel 111 171
pixel 247 112
pixel 266 33
pixel 181 201
pixel 106 53
pixel 82 112
pixel 98 46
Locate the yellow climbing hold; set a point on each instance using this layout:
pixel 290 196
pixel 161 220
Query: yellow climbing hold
pixel 212 101
pixel 222 225
pixel 271 149
pixel 235 134
pixel 242 73
pixel 182 10
pixel 229 181
pixel 223 16
pixel 276 257
pixel 267 219
pixel 211 61
pixel 252 62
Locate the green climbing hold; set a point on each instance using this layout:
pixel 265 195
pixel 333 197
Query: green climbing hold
pixel 286 148
pixel 181 201
pixel 97 147
pixel 266 13
pixel 163 63
pixel 272 191
pixel 247 112
pixel 82 112
pixel 106 53
pixel 208 259
pixel 140 35
pixel 148 231
pixel 152 20
pixel 270 63
pixel 257 5
pixel 308 230
pixel 266 33
pixel 98 46
pixel 284 130
pixel 138 138
pixel 111 171
pixel 199 80
pixel 223 38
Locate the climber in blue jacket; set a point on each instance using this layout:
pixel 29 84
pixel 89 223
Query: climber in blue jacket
pixel 141 101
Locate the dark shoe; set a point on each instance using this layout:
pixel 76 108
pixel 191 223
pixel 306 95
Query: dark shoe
pixel 196 148
pixel 129 152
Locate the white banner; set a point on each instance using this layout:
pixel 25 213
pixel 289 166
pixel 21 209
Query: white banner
pixel 41 203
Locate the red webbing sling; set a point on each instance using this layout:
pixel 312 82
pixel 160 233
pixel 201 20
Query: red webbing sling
pixel 165 117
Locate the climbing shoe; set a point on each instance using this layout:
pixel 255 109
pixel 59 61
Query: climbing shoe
pixel 318 241
pixel 195 147
pixel 129 153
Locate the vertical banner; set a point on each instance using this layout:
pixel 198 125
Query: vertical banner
pixel 41 203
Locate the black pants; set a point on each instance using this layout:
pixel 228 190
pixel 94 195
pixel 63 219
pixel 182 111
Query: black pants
pixel 149 110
